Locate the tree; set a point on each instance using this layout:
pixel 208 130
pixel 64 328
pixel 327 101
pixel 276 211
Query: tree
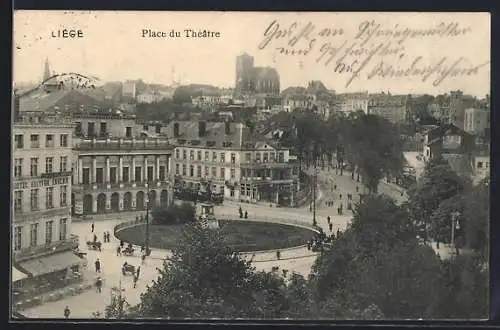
pixel 204 278
pixel 377 264
pixel 117 309
pixel 443 218
pixel 182 95
pixel 466 287
pixel 476 217
pixel 437 184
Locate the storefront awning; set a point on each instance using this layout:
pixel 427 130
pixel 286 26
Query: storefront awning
pixel 17 275
pixel 50 264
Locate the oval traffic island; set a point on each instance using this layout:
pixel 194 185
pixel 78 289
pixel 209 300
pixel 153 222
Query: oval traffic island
pixel 241 236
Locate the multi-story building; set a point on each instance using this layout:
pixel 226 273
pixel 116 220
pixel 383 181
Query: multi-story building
pixel 391 107
pixel 452 144
pixel 476 121
pixel 104 124
pixel 129 89
pixel 41 221
pixel 227 158
pixel 352 102
pixel 114 175
pixel 481 164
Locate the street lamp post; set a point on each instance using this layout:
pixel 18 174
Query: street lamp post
pixel 147 221
pixel 315 182
pixel 455 225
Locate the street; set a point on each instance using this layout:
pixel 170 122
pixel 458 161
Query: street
pixel 297 260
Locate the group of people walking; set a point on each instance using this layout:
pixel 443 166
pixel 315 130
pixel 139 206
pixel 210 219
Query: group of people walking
pixel 243 215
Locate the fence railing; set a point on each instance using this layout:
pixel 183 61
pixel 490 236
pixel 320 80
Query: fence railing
pixel 137 221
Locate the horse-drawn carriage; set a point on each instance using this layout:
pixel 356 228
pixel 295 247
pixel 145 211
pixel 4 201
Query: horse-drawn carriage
pixel 94 245
pixel 128 269
pixel 128 251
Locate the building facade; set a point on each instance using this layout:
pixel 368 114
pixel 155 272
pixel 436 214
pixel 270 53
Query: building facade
pixel 225 158
pixel 114 175
pixel 476 121
pixel 102 125
pixel 391 107
pixel 251 79
pixel 41 219
pixel 129 89
pixel 352 102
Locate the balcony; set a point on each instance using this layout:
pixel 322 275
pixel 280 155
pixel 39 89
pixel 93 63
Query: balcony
pixel 37 251
pixel 55 174
pixel 124 144
pixel 118 185
pixel 267 164
pixel 263 180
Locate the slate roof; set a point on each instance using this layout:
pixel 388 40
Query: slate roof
pixel 215 136
pixel 265 73
pixel 44 99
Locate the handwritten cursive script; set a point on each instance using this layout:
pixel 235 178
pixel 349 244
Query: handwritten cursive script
pixel 373 50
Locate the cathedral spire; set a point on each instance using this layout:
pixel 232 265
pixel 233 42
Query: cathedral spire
pixel 46 70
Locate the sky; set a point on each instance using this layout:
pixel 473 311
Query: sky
pixel 114 49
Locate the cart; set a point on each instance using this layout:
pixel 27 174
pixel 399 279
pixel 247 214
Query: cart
pixel 128 269
pixel 94 245
pixel 128 251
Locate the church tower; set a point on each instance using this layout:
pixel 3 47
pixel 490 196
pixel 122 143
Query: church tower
pixel 46 70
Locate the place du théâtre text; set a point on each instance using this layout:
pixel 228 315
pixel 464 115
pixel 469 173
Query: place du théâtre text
pixel 371 50
pixel 185 33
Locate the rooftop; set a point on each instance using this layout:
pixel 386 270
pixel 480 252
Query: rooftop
pixel 239 137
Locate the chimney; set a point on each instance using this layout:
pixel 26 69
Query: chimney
pixel 176 130
pixel 227 127
pixel 202 127
pixel 16 107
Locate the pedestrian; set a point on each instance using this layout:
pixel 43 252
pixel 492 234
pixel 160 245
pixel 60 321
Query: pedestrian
pixel 331 226
pixel 118 251
pixel 338 233
pixel 143 258
pixel 335 187
pixel 240 212
pixel 246 215
pixel 340 196
pixel 138 271
pixel 121 243
pixel 97 266
pixel 135 281
pixel 92 227
pixel 99 246
pixel 328 219
pixel 66 312
pixel 98 284
pixel 95 238
pixel 278 254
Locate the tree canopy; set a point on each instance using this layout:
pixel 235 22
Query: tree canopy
pixel 367 142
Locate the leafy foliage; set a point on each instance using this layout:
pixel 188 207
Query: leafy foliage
pixel 117 309
pixel 368 142
pixel 375 270
pixel 174 214
pixel 378 262
pixel 476 218
pixel 465 289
